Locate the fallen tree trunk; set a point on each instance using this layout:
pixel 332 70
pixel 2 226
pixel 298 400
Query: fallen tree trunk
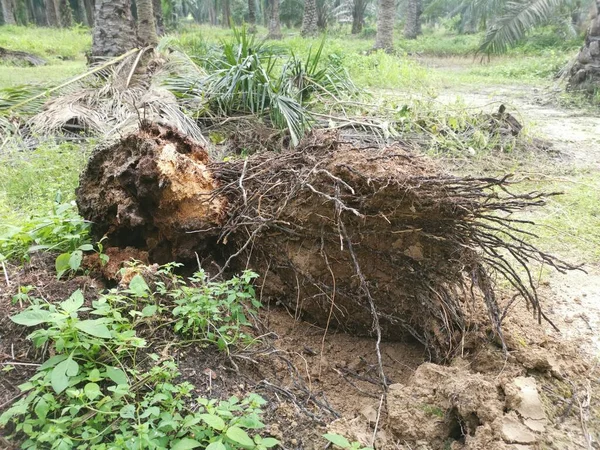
pixel 27 58
pixel 373 241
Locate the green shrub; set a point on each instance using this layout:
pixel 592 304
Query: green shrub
pixel 97 392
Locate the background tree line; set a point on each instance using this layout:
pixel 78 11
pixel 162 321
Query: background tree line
pixel 504 22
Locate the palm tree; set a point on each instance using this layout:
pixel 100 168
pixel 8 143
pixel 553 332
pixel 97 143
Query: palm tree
pixel 52 14
pixel 252 16
pixel 309 19
pixel 358 15
pixel 516 17
pixel 412 23
pixel 226 14
pixel 113 28
pixel 585 73
pixel 66 13
pixel 8 12
pixel 158 17
pixel 274 21
pixel 386 15
pixel 146 26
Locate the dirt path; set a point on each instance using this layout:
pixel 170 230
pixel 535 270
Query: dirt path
pixel 574 132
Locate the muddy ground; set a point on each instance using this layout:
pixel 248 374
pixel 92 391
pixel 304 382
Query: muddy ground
pixel 541 394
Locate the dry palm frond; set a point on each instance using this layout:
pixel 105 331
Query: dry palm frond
pixel 115 100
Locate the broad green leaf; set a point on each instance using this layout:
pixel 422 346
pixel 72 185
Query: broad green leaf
pixel 53 361
pixel 338 440
pixel 127 412
pixel 59 378
pixel 216 446
pixel 86 247
pixel 95 327
pixel 149 310
pixel 239 436
pixel 186 444
pixel 138 286
pixel 41 409
pixel 62 263
pixel 75 259
pixel 94 375
pixel 213 421
pixel 269 442
pixel 117 375
pixel 73 303
pixel 92 391
pixel 31 317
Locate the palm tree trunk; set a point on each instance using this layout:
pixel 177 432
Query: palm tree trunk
pixel 158 17
pixel 274 21
pixel 66 14
pixel 146 26
pixel 39 14
pixel 412 24
pixel 81 13
pixel 585 73
pixel 386 15
pixel 113 28
pixel 252 15
pixel 309 20
pixel 358 15
pixel 265 7
pixel 226 14
pixel 8 12
pixel 51 13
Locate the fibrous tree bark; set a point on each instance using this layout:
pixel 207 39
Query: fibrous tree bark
pixel 8 12
pixel 114 32
pixel 252 16
pixel 65 13
pixel 412 23
pixel 158 17
pixel 386 17
pixel 226 13
pixel 146 27
pixel 585 73
pixel 309 19
pixel 358 15
pixel 274 20
pixel 52 14
pixel 81 13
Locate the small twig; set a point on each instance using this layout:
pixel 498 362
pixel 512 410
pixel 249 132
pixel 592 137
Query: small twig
pixel 377 421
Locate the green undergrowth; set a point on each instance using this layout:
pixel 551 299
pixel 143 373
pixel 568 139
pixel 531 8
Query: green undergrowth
pixel 105 385
pixel 31 178
pixel 52 44
pixel 569 225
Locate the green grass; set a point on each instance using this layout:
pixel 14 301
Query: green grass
pixel 52 44
pixel 63 49
pixel 569 224
pixel 48 74
pixel 31 179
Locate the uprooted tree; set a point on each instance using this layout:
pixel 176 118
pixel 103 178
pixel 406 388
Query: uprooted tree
pixel 375 240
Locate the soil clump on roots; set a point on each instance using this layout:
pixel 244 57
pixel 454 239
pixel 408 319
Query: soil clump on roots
pixel 375 242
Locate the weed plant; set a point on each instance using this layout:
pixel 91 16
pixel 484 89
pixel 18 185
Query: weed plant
pixel 103 389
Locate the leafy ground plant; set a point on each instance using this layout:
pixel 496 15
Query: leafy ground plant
pixel 61 229
pixel 97 391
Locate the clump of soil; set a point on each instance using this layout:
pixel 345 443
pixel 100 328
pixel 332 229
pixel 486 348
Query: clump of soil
pixel 373 242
